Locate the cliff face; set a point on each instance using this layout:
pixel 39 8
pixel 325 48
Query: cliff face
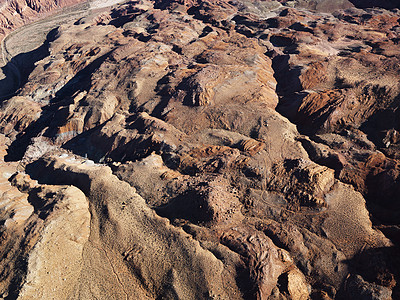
pixel 15 13
pixel 205 149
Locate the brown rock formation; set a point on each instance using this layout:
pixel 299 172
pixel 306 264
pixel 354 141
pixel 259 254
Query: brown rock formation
pixel 211 150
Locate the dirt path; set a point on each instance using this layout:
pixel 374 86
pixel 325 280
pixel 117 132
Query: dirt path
pixel 104 3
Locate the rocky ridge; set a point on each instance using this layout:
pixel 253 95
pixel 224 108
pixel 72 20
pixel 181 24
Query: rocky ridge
pixel 207 150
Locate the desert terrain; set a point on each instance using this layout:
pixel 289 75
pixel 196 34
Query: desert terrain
pixel 200 149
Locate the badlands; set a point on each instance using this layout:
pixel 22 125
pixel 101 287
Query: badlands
pixel 200 149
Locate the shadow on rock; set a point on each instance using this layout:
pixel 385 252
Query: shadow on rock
pixel 388 4
pixel 375 275
pixel 20 67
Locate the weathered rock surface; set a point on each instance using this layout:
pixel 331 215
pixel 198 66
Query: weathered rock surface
pixel 44 232
pixel 205 149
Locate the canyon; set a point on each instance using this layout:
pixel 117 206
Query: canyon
pixel 202 149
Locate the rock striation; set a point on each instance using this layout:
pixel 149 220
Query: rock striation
pixel 205 149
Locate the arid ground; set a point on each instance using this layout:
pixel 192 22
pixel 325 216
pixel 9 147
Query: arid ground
pixel 200 149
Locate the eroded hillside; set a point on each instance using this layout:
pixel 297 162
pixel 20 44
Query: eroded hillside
pixel 14 13
pixel 205 150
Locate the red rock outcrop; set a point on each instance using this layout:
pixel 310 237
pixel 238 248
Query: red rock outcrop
pixel 15 13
